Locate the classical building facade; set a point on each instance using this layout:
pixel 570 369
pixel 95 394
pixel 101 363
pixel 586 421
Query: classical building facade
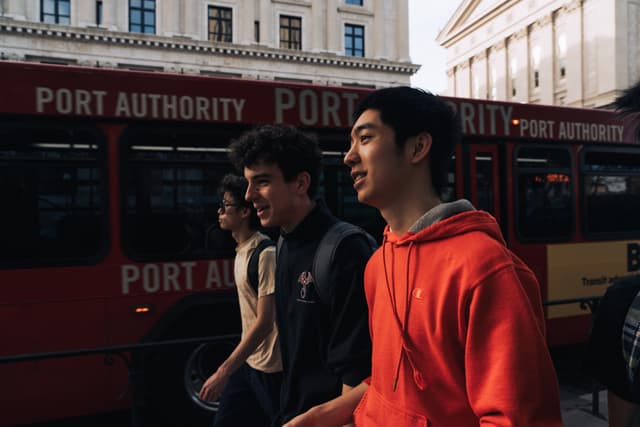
pixel 563 52
pixel 340 42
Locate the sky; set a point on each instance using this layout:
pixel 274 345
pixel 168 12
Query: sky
pixel 426 19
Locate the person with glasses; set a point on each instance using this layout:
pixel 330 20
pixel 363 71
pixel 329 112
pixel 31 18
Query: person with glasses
pixel 322 324
pixel 251 376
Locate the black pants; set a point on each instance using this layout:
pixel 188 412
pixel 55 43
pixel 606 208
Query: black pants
pixel 250 398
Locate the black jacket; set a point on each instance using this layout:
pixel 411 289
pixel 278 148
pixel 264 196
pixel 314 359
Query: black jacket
pixel 324 343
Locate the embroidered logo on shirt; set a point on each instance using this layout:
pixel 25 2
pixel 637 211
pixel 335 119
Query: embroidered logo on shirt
pixel 306 280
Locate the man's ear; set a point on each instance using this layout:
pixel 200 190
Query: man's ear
pixel 245 212
pixel 302 182
pixel 420 147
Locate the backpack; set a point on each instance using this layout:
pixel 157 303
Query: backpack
pixel 325 253
pixel 254 260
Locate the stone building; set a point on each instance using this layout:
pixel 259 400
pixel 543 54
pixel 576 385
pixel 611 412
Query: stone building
pixel 339 42
pixel 565 52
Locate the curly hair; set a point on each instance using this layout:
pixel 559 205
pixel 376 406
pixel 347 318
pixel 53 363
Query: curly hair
pixel 287 147
pixel 236 186
pixel 410 111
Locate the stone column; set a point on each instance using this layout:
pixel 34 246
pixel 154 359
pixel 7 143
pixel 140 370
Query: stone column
pixel 451 82
pixel 268 27
pixel 497 64
pixel 318 30
pixel 575 52
pixel 463 80
pixel 17 9
pixel 402 31
pixel 334 38
pixel 544 34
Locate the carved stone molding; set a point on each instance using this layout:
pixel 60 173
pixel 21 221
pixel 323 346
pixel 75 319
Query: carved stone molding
pixel 499 46
pixel 463 65
pixel 480 56
pixel 573 5
pixel 520 34
pixel 543 22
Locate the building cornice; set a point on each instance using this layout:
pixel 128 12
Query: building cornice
pixel 97 35
pixel 543 21
pixel 467 29
pixel 575 4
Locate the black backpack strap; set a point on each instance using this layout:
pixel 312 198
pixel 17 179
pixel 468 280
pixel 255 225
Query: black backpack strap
pixel 326 251
pixel 254 261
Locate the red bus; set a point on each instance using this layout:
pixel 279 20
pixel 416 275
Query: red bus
pixel 108 221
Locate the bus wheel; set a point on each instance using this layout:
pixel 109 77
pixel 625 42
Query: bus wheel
pixel 203 361
pixel 169 386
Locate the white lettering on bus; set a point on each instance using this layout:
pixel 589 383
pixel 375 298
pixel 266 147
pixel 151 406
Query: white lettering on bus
pixel 140 105
pixel 476 117
pixel 580 131
pixel 215 279
pixel 537 128
pixel 472 117
pixel 178 107
pixel 67 101
pixel 307 106
pixel 152 278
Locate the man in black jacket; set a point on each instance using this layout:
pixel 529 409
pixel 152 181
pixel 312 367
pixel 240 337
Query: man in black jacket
pixel 324 336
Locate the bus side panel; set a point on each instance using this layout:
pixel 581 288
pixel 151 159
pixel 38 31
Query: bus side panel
pixel 53 388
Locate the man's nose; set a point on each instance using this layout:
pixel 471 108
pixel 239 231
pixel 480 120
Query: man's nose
pixel 249 195
pixel 351 158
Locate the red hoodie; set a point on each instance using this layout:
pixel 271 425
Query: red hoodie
pixel 457 327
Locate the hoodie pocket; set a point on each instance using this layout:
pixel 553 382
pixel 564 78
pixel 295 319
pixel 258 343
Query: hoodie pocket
pixel 375 410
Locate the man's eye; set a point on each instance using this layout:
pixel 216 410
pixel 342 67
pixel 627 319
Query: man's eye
pixel 364 138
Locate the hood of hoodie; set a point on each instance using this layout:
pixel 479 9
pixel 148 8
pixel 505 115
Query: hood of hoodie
pixel 447 220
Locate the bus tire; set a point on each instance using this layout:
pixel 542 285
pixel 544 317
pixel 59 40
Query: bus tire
pixel 171 380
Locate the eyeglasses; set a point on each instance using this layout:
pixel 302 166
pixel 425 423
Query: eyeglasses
pixel 224 205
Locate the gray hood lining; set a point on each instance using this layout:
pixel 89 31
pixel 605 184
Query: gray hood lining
pixel 440 212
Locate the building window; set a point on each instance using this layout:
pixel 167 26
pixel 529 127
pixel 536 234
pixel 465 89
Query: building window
pixel 562 56
pixel 99 12
pixel 220 26
pixel 536 53
pixel 355 2
pixel 354 40
pixel 256 31
pixel 55 11
pixel 290 32
pixel 142 16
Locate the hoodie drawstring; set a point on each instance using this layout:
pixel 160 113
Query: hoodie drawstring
pixel 402 325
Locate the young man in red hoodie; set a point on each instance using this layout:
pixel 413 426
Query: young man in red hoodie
pixel 456 319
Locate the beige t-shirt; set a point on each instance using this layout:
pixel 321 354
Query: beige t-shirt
pixel 266 357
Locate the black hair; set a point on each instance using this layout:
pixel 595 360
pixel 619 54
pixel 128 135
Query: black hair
pixel 410 111
pixel 628 104
pixel 287 147
pixel 236 186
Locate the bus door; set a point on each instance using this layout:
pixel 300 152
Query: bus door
pixel 484 183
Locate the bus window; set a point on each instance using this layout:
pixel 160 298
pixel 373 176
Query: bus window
pixel 611 191
pixel 449 192
pixel 544 199
pixel 52 196
pixel 170 194
pixel 484 181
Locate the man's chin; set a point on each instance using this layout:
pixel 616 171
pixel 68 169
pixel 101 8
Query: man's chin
pixel 267 223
